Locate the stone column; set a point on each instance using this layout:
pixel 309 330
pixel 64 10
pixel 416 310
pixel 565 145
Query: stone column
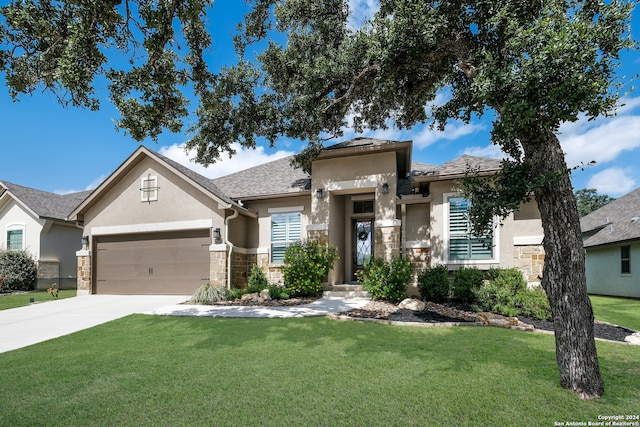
pixel 387 238
pixel 218 265
pixel 84 286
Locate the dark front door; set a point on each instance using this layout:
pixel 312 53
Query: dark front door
pixel 362 242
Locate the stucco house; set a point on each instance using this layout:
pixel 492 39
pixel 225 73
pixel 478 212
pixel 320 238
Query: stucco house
pixel 155 226
pixel 35 221
pixel 612 243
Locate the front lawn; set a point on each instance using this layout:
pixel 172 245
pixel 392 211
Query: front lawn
pixel 20 300
pixel 619 311
pixel 149 370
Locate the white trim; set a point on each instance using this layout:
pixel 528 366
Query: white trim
pixel 445 234
pixel 16 226
pixel 83 252
pixel 247 251
pixel 286 209
pixel 379 223
pixel 219 247
pixel 417 244
pixel 527 240
pixel 370 182
pixel 363 197
pixel 152 227
pixel 317 227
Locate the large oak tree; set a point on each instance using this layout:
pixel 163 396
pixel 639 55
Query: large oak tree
pixel 532 64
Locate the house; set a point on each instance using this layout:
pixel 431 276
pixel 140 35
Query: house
pixel 155 226
pixel 35 221
pixel 612 243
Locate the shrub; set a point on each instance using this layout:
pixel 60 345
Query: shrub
pixel 434 284
pixel 18 270
pixel 507 294
pixel 306 265
pixel 257 280
pixel 235 293
pixel 208 294
pixel 466 282
pixel 386 281
pixel 278 292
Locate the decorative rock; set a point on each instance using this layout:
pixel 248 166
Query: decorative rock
pixel 491 319
pixel 412 304
pixel 251 296
pixel 633 339
pixel 265 295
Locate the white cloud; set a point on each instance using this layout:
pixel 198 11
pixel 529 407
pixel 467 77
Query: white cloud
pixel 360 11
pixel 243 159
pixel 452 131
pixel 492 151
pixel 92 186
pixel 614 181
pixel 603 139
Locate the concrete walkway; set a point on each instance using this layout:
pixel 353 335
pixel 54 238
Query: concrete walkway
pixel 24 326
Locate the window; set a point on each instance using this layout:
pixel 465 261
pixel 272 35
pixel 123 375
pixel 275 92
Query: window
pixel 363 206
pixel 463 244
pixel 15 239
pixel 625 259
pixel 285 230
pixel 149 188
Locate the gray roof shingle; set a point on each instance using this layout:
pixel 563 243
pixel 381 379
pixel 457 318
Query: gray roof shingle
pixel 617 221
pixel 44 204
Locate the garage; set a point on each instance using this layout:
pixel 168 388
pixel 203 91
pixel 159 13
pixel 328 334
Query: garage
pixel 170 263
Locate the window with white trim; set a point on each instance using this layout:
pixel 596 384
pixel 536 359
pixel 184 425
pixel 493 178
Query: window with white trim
pixel 286 229
pixel 463 244
pixel 149 188
pixel 15 239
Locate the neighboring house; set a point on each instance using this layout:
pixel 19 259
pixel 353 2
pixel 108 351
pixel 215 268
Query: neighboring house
pixel 35 221
pixel 612 242
pixel 156 226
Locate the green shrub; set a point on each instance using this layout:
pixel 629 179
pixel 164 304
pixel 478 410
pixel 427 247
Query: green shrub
pixel 208 294
pixel 386 281
pixel 434 284
pixel 306 265
pixel 235 293
pixel 507 294
pixel 18 270
pixel 278 292
pixel 257 280
pixel 466 282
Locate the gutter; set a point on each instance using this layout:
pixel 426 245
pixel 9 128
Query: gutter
pixel 228 243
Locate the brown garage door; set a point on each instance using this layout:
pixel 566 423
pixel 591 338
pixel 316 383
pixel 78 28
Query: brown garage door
pixel 175 263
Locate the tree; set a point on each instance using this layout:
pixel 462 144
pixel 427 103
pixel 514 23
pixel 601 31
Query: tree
pixel 531 64
pixel 589 200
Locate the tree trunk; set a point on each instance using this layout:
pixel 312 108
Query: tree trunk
pixel 564 277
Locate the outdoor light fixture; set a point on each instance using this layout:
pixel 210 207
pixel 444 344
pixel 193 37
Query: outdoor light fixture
pixel 385 188
pixel 217 237
pixel 85 242
pixel 319 193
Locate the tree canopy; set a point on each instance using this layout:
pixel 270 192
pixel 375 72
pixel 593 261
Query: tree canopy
pixel 534 64
pixel 589 200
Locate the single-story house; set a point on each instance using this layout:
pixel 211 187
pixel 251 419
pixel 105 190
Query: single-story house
pixel 612 243
pixel 35 221
pixel 157 227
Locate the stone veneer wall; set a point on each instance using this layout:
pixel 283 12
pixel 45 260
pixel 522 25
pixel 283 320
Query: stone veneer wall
pixel 387 241
pixel 529 259
pixel 84 273
pixel 48 274
pixel 241 268
pixel 218 267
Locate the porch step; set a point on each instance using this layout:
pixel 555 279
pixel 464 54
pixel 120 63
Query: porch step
pixel 347 290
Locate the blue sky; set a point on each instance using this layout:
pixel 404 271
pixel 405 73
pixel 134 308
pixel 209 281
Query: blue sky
pixel 48 147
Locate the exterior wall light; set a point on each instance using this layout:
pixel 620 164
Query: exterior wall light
pixel 217 236
pixel 85 242
pixel 319 193
pixel 385 188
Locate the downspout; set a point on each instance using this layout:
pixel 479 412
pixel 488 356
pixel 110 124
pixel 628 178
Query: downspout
pixel 228 242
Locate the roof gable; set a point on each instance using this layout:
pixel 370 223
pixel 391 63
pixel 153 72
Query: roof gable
pixel 457 168
pixel 44 204
pixel 617 221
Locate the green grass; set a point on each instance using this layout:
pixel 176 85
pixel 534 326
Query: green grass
pixel 619 311
pixel 20 300
pixel 147 370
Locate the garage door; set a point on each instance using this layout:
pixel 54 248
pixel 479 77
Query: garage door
pixel 175 263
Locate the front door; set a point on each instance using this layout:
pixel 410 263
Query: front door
pixel 362 243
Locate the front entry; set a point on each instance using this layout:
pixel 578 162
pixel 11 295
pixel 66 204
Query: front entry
pixel 362 243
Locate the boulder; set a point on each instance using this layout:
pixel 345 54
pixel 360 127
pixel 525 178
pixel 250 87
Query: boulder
pixel 412 304
pixel 250 296
pixel 492 319
pixel 265 295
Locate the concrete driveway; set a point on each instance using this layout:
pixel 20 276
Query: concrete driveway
pixel 23 326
